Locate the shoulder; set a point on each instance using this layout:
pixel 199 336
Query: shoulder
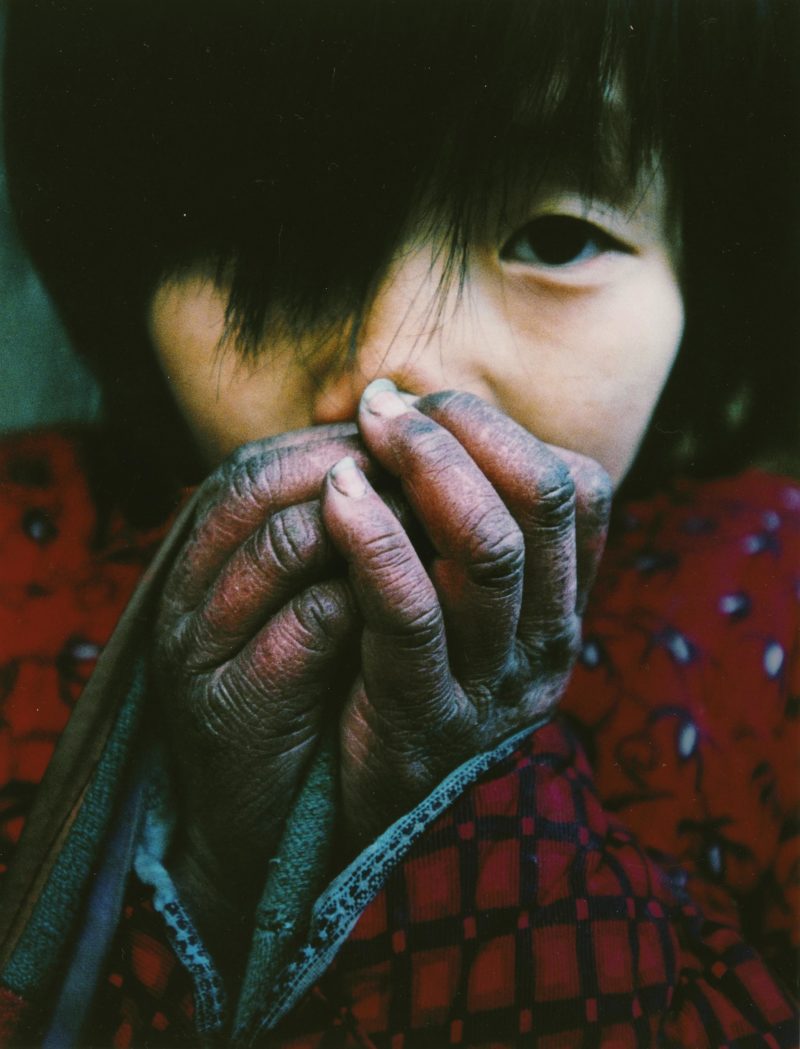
pixel 65 563
pixel 690 512
pixel 695 617
pixel 732 544
pixel 686 689
pixel 708 568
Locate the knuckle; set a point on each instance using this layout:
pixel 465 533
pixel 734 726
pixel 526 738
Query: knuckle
pixel 253 451
pixel 233 480
pixel 414 629
pixel 209 715
pixel 449 400
pixel 409 611
pixel 555 496
pixel 423 624
pixel 388 549
pixel 426 439
pixel 185 649
pixel 598 492
pixel 256 481
pixel 284 540
pixel 500 550
pixel 244 480
pixel 320 614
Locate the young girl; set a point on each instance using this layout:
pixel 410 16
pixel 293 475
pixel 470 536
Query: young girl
pixel 383 753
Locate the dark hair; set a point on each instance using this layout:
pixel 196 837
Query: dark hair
pixel 286 144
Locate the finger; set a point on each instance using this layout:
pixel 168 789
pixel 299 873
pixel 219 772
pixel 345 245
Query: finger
pixel 480 566
pixel 403 652
pixel 215 486
pixel 244 492
pixel 539 491
pixel 287 553
pixel 294 438
pixel 472 420
pixel 594 490
pixel 253 725
pixel 593 496
pixel 281 557
pixel 274 692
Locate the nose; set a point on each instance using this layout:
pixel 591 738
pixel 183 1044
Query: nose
pixel 403 336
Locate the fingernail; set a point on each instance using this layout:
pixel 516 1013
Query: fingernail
pixel 348 479
pixel 381 398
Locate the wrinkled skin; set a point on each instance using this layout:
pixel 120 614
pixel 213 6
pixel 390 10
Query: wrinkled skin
pixel 295 603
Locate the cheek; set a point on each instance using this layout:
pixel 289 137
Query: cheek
pixel 238 407
pixel 185 327
pixel 588 374
pixel 225 402
pixel 632 367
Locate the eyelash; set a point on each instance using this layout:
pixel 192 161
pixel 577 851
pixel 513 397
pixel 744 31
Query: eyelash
pixel 568 240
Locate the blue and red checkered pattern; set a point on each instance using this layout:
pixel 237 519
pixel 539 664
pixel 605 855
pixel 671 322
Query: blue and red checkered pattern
pixel 525 916
pixel 529 916
pixel 147 995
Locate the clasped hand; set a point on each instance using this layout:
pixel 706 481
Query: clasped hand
pixel 305 596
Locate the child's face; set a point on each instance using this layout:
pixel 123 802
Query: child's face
pixel 569 325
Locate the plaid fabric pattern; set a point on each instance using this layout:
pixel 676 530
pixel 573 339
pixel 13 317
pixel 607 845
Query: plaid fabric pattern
pixel 528 916
pixel 146 998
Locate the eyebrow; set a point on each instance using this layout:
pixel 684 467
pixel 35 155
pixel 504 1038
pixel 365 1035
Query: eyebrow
pixel 605 162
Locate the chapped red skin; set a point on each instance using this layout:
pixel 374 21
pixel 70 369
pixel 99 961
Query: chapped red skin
pixel 293 604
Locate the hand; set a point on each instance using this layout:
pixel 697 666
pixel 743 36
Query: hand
pixel 458 656
pixel 256 628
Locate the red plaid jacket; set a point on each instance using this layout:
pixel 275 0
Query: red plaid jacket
pixel 627 877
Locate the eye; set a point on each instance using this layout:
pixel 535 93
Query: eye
pixel 559 240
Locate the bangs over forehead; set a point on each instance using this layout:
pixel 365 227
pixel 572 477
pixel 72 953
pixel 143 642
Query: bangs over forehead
pixel 288 146
pixel 340 129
